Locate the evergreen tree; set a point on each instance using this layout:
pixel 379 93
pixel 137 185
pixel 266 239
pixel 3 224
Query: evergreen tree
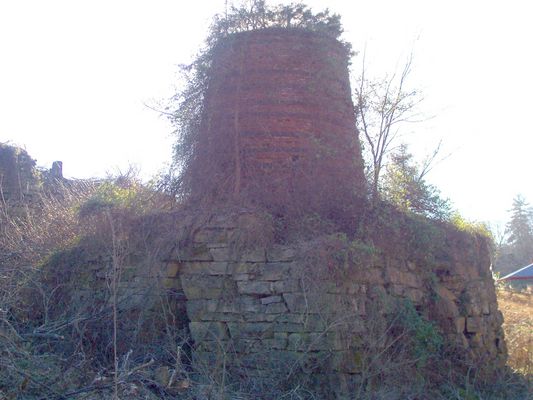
pixel 520 227
pixel 517 250
pixel 404 185
pixel 520 231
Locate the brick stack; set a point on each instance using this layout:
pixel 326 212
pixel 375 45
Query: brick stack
pixel 279 109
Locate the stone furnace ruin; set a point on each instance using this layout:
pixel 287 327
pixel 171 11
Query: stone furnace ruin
pixel 264 271
pixel 279 126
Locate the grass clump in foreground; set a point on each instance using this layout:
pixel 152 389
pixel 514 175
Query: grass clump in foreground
pixel 517 309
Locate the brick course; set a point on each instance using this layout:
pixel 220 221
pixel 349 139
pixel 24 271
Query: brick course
pixel 283 99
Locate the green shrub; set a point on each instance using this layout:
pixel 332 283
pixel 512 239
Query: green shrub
pixel 462 224
pixel 425 338
pixel 110 194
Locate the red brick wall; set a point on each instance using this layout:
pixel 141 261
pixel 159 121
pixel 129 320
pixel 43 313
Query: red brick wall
pixel 279 107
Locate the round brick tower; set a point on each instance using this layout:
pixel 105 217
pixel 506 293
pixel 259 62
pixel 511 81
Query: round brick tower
pixel 278 122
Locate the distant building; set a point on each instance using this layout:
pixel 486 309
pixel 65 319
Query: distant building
pixel 522 274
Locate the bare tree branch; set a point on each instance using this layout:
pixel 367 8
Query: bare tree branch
pixel 381 108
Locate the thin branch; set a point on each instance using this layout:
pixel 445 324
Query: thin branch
pixel 158 111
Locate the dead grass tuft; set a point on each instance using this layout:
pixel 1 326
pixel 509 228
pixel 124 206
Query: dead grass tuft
pixel 517 309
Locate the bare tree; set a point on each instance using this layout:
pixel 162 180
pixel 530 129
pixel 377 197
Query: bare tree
pixel 381 108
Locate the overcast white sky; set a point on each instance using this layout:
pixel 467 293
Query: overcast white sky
pixel 74 76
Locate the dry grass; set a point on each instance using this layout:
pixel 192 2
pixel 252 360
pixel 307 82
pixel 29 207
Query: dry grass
pixel 517 309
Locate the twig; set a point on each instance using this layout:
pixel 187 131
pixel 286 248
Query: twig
pixel 86 389
pixel 43 335
pixel 138 368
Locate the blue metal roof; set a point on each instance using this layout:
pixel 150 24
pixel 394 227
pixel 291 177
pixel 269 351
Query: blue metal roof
pixel 523 273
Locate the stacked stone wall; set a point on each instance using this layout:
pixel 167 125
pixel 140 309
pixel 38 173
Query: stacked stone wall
pixel 315 313
pixel 279 309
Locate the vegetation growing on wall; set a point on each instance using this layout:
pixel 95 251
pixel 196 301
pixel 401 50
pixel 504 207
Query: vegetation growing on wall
pixel 61 271
pixel 404 185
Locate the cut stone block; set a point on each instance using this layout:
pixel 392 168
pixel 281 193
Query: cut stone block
pixel 274 271
pixel 211 236
pixel 204 287
pixel 222 317
pixel 197 308
pixel 460 324
pixel 297 302
pixel 206 268
pixel 473 324
pixel 242 277
pixel 248 268
pixel 201 331
pixel 271 299
pixel 313 302
pixel 286 286
pixel 250 330
pixel 255 255
pixel 172 269
pixel 250 304
pixel 194 253
pixel 281 253
pixel 221 253
pixel 171 283
pixel 279 341
pixel 254 287
pixel 260 317
pixel 276 308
